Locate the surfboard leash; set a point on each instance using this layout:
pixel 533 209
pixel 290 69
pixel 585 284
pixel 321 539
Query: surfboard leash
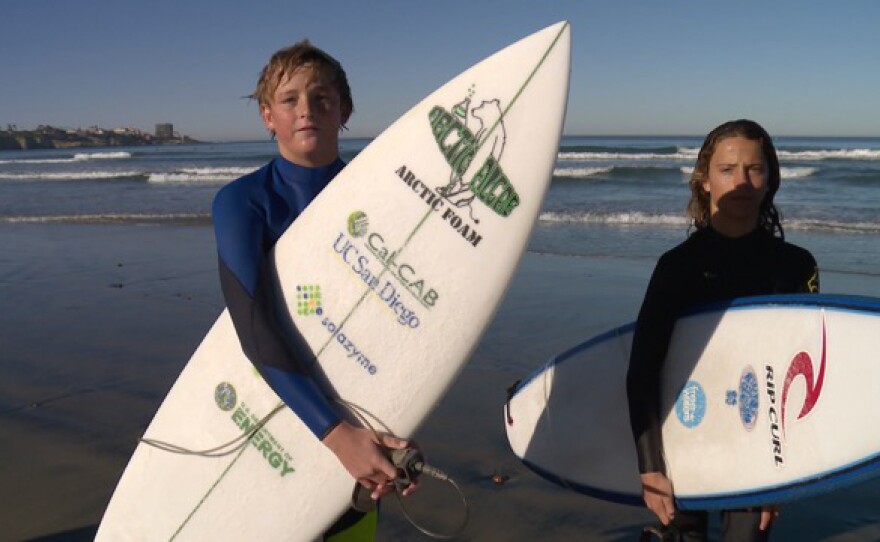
pixel 410 464
pixel 227 448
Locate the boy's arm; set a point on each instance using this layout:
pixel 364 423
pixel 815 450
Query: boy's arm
pixel 246 281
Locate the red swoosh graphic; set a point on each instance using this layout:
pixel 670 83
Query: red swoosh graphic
pixel 802 365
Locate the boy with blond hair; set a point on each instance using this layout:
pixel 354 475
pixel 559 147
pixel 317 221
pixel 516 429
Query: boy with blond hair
pixel 304 101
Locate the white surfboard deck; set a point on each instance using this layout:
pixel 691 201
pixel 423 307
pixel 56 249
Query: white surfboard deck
pixel 768 400
pixel 391 284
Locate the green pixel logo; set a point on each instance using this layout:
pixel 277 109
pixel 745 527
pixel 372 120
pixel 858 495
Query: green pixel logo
pixel 308 300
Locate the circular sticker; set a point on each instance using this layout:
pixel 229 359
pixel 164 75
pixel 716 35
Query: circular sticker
pixel 690 407
pixel 748 398
pixel 225 396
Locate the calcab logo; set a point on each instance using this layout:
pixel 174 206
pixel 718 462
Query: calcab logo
pixel 358 224
pixel 386 271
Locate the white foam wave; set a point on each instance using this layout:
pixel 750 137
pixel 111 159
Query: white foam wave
pixel 839 154
pixel 200 175
pixel 681 154
pixel 78 157
pixel 797 172
pixel 71 175
pixel 117 155
pixel 686 153
pixel 109 217
pixel 581 172
pixel 641 219
pixel 785 173
pixel 38 161
pixel 832 226
pixel 628 218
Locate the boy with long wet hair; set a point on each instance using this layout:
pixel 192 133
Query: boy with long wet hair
pixel 736 250
pixel 698 207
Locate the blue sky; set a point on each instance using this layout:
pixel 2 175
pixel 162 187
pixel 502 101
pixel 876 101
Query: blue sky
pixel 638 67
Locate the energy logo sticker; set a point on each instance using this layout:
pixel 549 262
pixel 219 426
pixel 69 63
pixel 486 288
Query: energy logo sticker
pixel 265 443
pixel 690 407
pixel 225 396
pixel 474 127
pixel 308 300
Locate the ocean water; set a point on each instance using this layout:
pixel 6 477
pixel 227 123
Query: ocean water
pixel 610 196
pixel 615 198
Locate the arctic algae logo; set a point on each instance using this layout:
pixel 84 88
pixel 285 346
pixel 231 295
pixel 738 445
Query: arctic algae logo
pixel 461 134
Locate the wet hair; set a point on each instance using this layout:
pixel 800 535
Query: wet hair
pixel 698 206
pixel 300 55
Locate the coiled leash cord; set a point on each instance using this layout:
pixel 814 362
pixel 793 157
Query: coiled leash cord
pixel 409 463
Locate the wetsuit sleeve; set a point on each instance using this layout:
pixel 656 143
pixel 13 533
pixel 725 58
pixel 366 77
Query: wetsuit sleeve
pixel 651 338
pixel 246 279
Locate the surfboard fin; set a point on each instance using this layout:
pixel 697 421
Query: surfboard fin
pixel 510 391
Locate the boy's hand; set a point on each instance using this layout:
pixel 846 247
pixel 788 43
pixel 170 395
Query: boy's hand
pixel 657 492
pixel 361 452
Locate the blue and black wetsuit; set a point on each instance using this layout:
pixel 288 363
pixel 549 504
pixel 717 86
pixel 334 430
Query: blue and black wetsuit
pixel 706 268
pixel 250 214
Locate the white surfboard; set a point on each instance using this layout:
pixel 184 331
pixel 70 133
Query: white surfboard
pixel 767 400
pixel 391 276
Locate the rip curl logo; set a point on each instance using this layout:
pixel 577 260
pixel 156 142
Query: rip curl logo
pixel 308 300
pixel 802 365
pixel 470 127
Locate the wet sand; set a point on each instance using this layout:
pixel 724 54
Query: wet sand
pixel 98 320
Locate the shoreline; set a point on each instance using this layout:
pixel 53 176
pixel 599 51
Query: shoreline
pixel 101 318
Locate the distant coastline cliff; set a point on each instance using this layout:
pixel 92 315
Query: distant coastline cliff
pixel 50 137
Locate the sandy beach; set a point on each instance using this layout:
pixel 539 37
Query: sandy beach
pixel 98 320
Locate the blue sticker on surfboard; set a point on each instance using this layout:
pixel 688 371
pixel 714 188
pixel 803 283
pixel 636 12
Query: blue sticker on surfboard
pixel 690 407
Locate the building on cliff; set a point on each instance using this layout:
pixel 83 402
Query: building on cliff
pixel 49 137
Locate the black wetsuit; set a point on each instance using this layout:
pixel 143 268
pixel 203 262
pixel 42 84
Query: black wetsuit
pixel 706 268
pixel 250 214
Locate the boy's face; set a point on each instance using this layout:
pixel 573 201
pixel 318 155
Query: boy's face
pixel 305 113
pixel 737 182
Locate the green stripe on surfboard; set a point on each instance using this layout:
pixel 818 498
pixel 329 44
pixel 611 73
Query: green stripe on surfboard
pixel 417 227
